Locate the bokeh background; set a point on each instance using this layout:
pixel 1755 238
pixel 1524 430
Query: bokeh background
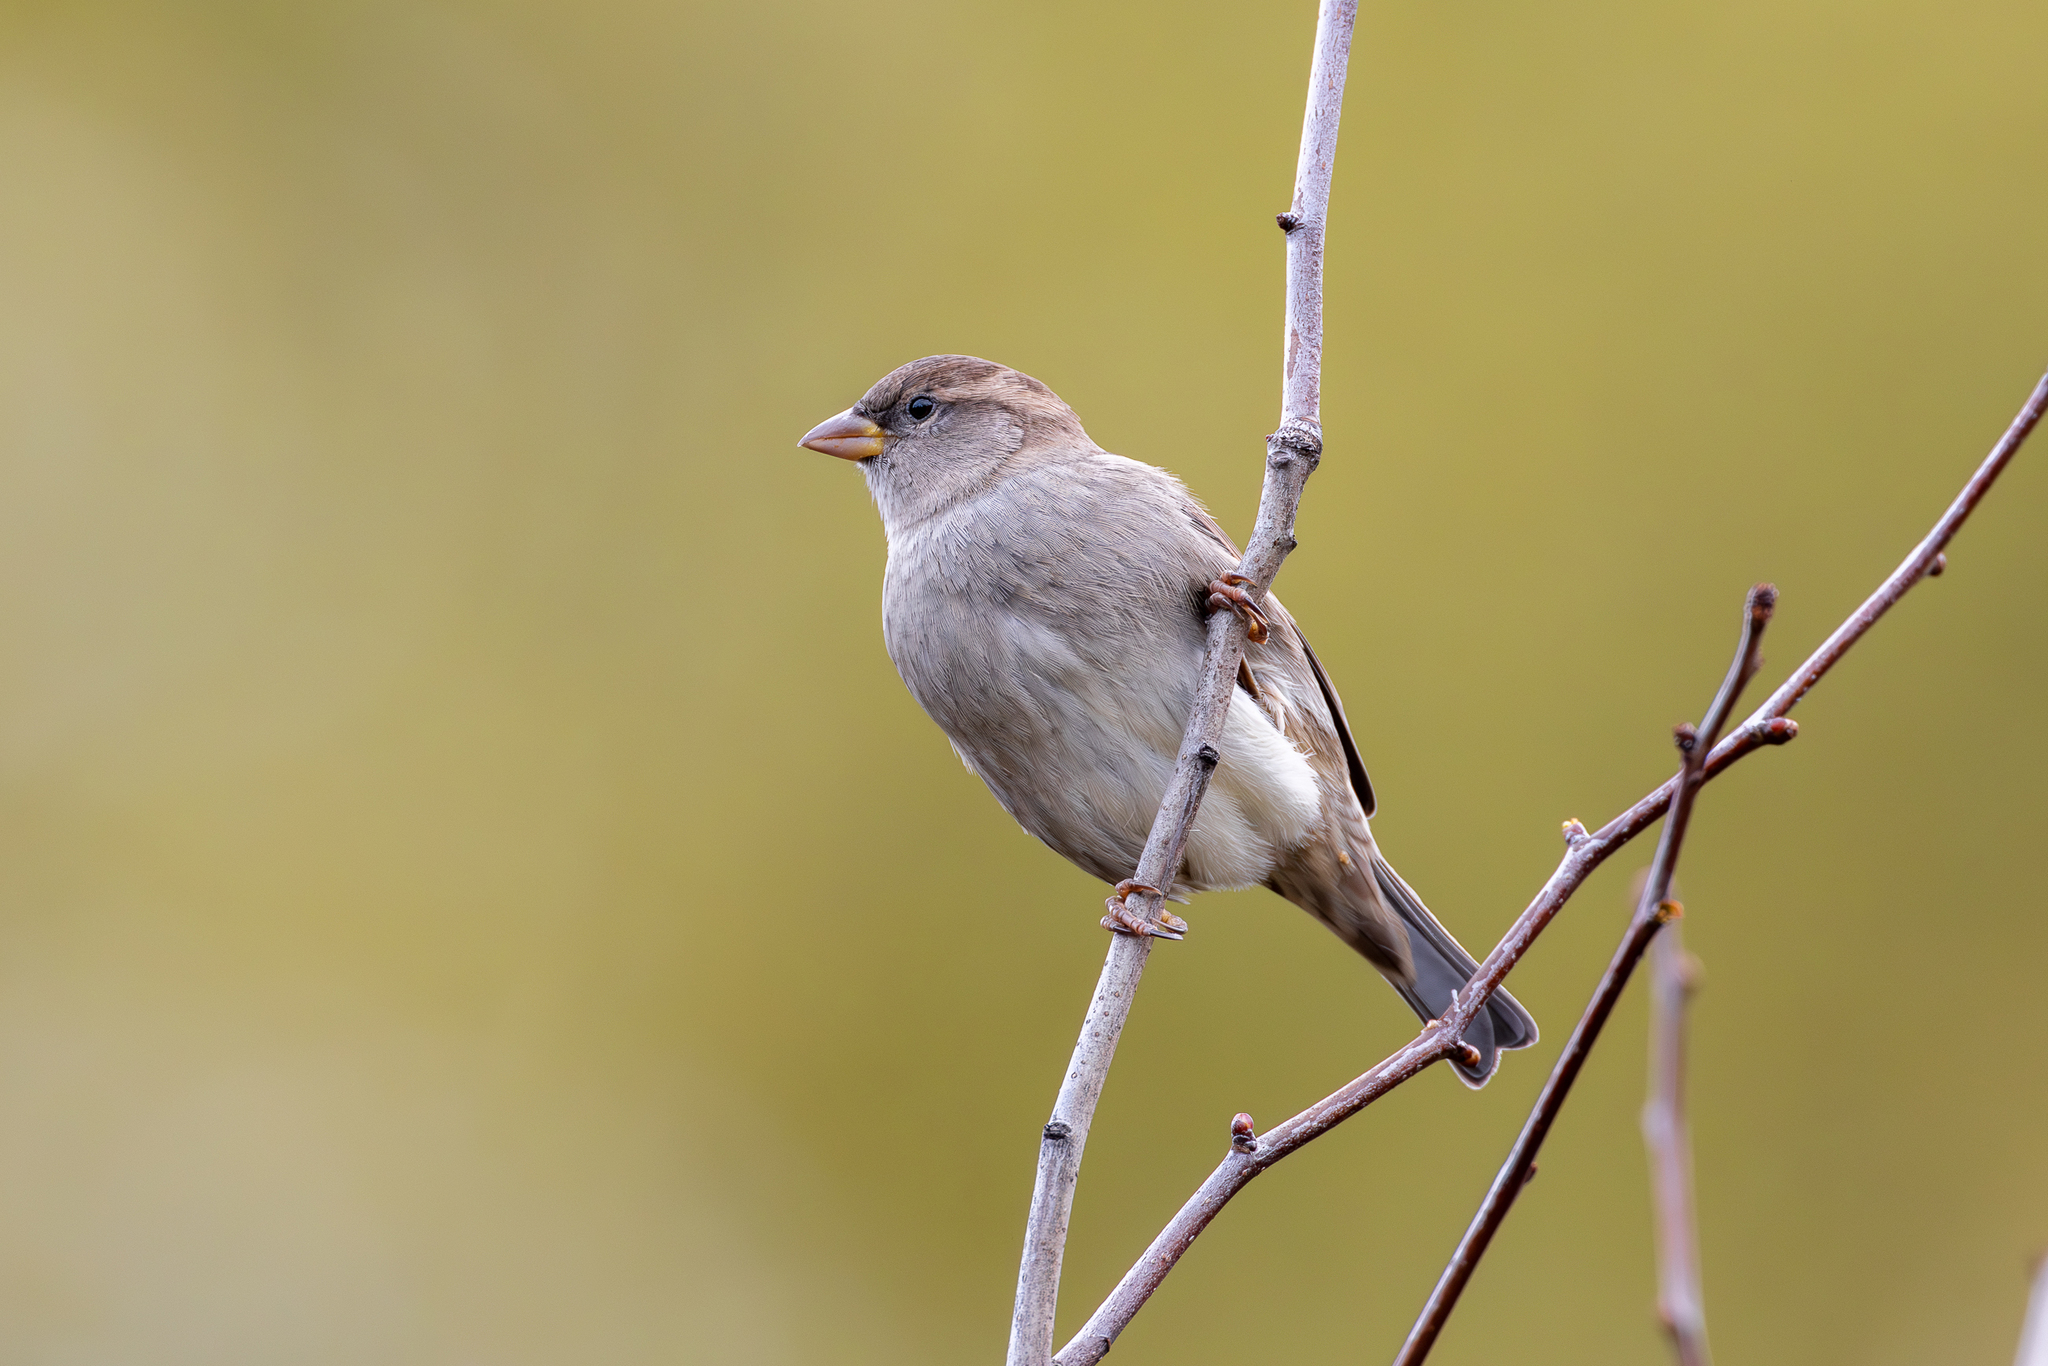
pixel 473 889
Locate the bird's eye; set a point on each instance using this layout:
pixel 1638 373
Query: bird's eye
pixel 920 408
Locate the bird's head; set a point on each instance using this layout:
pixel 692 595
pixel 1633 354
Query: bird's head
pixel 943 428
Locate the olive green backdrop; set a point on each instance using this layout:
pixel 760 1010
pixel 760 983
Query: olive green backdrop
pixel 473 890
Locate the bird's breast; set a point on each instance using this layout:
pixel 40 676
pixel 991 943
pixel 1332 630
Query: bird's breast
pixel 1067 687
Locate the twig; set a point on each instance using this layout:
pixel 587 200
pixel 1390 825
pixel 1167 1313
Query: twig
pixel 1768 725
pixel 1653 912
pixel 1674 975
pixel 2034 1333
pixel 1292 454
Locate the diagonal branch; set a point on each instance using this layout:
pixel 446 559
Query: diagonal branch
pixel 1768 725
pixel 1674 976
pixel 1655 910
pixel 1292 454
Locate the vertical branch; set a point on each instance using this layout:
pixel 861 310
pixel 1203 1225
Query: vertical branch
pixel 1653 912
pixel 1674 976
pixel 1060 1147
pixel 1292 454
pixel 1301 382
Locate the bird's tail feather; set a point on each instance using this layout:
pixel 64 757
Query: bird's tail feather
pixel 1442 967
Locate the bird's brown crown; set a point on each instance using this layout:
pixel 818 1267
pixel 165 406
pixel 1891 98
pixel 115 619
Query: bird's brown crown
pixel 972 381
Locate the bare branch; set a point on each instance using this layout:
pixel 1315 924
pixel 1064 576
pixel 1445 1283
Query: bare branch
pixel 1292 454
pixel 1653 912
pixel 1585 852
pixel 2034 1333
pixel 1674 975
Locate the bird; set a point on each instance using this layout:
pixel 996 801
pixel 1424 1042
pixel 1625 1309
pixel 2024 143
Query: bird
pixel 1045 603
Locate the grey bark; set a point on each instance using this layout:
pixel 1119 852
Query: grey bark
pixel 1674 976
pixel 1292 454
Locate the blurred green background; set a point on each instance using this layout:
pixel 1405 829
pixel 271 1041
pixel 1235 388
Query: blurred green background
pixel 473 889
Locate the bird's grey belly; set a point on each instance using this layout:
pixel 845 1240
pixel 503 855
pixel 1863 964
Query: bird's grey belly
pixel 1080 747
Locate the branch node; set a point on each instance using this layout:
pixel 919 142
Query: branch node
pixel 1686 735
pixel 1057 1132
pixel 1668 911
pixel 1940 563
pixel 1288 221
pixel 1295 438
pixel 1455 1046
pixel 1242 1139
pixel 1574 833
pixel 1207 756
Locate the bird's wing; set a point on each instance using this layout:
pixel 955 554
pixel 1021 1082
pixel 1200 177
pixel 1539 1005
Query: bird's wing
pixel 1296 667
pixel 1361 781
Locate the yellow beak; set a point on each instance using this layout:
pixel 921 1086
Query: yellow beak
pixel 848 436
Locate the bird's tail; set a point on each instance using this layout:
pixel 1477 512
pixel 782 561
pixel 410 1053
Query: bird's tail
pixel 1442 967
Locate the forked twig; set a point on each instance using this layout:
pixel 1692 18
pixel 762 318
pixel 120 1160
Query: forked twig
pixel 1681 1307
pixel 1292 454
pixel 1655 910
pixel 1768 725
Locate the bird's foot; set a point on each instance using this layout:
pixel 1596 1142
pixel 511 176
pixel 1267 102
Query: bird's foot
pixel 1226 592
pixel 1123 920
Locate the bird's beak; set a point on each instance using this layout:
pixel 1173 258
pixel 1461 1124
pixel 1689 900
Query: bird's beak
pixel 848 436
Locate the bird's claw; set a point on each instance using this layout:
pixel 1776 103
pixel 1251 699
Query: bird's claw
pixel 1167 919
pixel 1123 920
pixel 1226 593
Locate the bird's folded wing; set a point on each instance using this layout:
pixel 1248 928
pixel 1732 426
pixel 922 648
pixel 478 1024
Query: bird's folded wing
pixel 1361 782
pixel 1274 656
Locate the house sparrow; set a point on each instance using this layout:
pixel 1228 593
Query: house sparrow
pixel 1045 603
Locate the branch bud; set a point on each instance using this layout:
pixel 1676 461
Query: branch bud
pixel 1574 833
pixel 1241 1137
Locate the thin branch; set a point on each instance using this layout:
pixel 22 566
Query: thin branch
pixel 1653 912
pixel 2034 1332
pixel 1292 454
pixel 1768 725
pixel 1674 976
